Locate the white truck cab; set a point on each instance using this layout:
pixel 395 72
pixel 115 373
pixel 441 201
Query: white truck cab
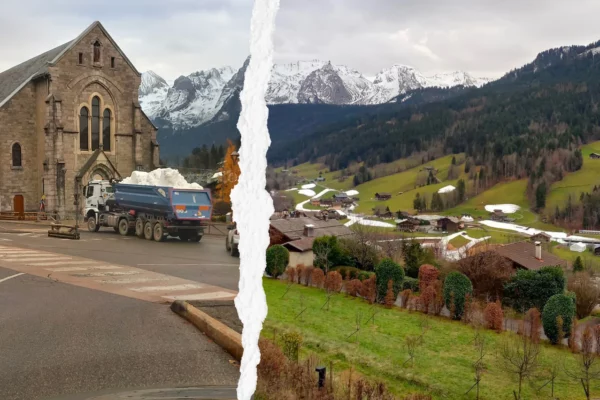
pixel 96 194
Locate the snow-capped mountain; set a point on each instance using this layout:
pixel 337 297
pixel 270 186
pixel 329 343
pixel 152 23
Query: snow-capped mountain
pixel 199 98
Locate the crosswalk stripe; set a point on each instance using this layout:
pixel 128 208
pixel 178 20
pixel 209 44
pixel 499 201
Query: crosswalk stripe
pixel 99 274
pixel 70 269
pixel 9 252
pixel 200 296
pixel 36 258
pixel 49 264
pixel 128 281
pixel 24 234
pixel 186 286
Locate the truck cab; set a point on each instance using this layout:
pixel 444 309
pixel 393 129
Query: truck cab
pixel 98 196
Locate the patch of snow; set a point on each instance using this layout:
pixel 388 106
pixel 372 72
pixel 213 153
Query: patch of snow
pixel 307 192
pixel 467 219
pixel 217 175
pixel 505 208
pixel 160 177
pixel 447 189
pixel 308 186
pixel 367 222
pixel 352 192
pixel 560 237
pixel 321 193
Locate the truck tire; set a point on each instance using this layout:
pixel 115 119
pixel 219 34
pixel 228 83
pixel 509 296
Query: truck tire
pixel 148 231
pixel 227 244
pixel 139 227
pixel 92 225
pixel 184 236
pixel 195 237
pixel 123 226
pixel 158 232
pixel 234 251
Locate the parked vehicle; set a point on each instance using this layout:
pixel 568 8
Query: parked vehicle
pixel 232 240
pixel 151 212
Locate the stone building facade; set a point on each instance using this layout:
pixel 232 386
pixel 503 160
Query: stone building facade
pixel 68 116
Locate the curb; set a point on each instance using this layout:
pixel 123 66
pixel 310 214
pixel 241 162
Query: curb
pixel 221 334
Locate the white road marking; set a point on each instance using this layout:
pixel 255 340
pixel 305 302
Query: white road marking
pixel 24 234
pixel 186 286
pixel 99 274
pixel 12 276
pixel 200 296
pixel 10 252
pixel 133 280
pixel 36 258
pixel 49 264
pixel 69 269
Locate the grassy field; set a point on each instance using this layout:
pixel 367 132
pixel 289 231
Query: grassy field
pixel 402 182
pixel 443 364
pixel 588 258
pixel 575 183
pixel 503 193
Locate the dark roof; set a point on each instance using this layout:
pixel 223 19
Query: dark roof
pixel 303 244
pixel 293 228
pixel 383 194
pixel 13 79
pixel 341 195
pixel 451 219
pixel 523 253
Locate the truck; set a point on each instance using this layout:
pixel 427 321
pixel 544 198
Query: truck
pixel 150 212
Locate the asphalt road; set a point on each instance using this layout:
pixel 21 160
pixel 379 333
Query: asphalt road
pixel 206 261
pixel 59 339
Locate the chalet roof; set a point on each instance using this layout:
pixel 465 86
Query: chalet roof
pixel 14 79
pixel 452 219
pixel 523 253
pixel 293 228
pixel 383 194
pixel 341 195
pixel 302 244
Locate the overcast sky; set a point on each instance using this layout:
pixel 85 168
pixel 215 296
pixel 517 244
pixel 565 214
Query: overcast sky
pixel 175 37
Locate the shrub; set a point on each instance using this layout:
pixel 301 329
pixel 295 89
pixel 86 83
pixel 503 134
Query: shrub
pixel 559 305
pixel 533 319
pixel 348 272
pixel 333 281
pixel 528 289
pixel 291 345
pixel 388 270
pixel 291 273
pixel 573 345
pixel 427 298
pixel 578 265
pixel 410 283
pixel 456 287
pixel 369 289
pixel 300 273
pixel 587 293
pixel 405 296
pixel 488 271
pixel 390 299
pixel 427 275
pixel 307 274
pixel 438 300
pixel 277 259
pixel 494 317
pixel 353 287
pixel 317 277
pixel 327 252
pixel 362 275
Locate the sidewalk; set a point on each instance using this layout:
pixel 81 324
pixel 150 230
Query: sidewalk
pixel 14 226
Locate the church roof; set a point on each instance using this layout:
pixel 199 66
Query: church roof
pixel 12 80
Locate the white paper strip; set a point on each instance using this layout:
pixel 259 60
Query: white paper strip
pixel 252 205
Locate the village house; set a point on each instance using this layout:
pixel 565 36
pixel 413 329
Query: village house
pixel 597 250
pixel 449 224
pixel 527 255
pixel 68 116
pixel 298 234
pixel 541 237
pixel 383 196
pixel 326 202
pixel 407 225
pixel 340 196
pixel 315 202
pixel 499 216
pixel 595 156
pixel 383 212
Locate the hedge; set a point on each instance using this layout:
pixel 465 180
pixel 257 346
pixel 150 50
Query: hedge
pixel 277 260
pixel 363 275
pixel 353 271
pixel 384 271
pixel 410 283
pixel 456 288
pixel 532 289
pixel 558 305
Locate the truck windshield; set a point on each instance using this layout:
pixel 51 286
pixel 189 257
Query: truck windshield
pixel 108 189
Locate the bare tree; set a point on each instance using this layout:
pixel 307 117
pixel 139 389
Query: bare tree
pixel 478 365
pixel 550 373
pixel 411 342
pixel 519 356
pixel 587 293
pixel 587 368
pixel 321 254
pixel 361 246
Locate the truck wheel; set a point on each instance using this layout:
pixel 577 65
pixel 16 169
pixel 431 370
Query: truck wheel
pixel 184 236
pixel 159 232
pixel 139 228
pixel 148 231
pixel 92 225
pixel 124 226
pixel 195 237
pixel 235 252
pixel 227 244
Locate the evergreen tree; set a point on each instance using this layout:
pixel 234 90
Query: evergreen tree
pixel 453 160
pixel 461 189
pixel 578 265
pixel 540 196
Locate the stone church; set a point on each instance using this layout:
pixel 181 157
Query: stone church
pixel 68 116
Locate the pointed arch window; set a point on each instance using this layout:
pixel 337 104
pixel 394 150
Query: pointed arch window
pixel 95 123
pixel 106 130
pixel 83 129
pixel 16 155
pixel 96 51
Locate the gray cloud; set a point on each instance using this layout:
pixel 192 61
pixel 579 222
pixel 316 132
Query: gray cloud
pixel 171 37
pixel 484 37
